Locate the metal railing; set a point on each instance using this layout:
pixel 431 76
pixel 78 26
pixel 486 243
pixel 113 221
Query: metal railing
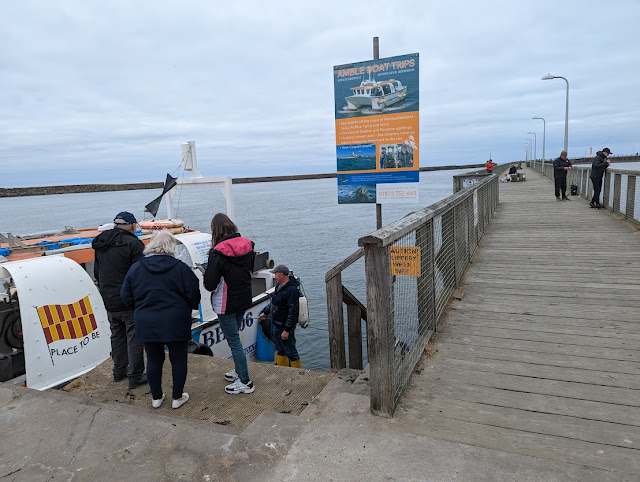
pixel 620 189
pixel 412 269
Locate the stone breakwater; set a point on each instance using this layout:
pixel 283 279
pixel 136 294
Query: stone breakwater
pixel 83 188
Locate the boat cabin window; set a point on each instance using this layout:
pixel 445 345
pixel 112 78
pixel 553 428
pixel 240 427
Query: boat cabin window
pixel 387 89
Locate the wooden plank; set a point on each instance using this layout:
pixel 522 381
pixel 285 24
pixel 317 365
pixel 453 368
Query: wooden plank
pixel 546 347
pixel 569 426
pixel 532 402
pixel 584 340
pixel 524 384
pixel 597 328
pixel 578 375
pixel 616 459
pixel 469 352
pixel 335 315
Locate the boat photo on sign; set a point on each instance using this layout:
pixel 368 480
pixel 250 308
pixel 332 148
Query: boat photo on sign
pixel 377 130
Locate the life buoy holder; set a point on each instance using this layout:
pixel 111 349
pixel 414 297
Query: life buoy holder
pixel 176 226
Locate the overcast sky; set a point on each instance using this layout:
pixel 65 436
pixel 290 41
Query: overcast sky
pixel 106 91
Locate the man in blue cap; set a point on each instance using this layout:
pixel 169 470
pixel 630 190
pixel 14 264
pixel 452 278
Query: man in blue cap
pixel 115 251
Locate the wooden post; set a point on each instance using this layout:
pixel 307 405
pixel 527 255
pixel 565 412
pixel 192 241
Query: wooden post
pixel 631 196
pixel 336 323
pixel 380 343
pixel 354 322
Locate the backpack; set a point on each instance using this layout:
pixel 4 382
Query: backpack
pixel 303 312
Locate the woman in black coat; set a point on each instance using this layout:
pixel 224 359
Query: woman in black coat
pixel 162 291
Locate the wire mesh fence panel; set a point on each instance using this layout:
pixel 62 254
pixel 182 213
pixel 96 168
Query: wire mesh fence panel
pixel 410 332
pixel 636 197
pixel 461 235
pixel 610 189
pixel 473 226
pixel 445 266
pixel 622 194
pixel 413 267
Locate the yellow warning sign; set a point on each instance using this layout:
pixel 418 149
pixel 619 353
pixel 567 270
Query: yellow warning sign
pixel 405 261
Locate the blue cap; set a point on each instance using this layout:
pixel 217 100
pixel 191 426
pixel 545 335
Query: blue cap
pixel 125 217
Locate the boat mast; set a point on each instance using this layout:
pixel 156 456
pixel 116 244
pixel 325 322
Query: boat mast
pixel 190 163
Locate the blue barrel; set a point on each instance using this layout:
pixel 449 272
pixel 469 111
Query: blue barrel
pixel 264 349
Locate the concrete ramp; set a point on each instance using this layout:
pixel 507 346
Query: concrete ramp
pixel 278 389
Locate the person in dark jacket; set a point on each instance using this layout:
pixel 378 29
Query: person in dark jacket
pixel 599 165
pixel 561 166
pixel 405 158
pixel 228 276
pixel 284 309
pixel 162 291
pixel 115 252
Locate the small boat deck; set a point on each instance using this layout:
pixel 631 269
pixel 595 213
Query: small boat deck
pixel 541 356
pixel 278 389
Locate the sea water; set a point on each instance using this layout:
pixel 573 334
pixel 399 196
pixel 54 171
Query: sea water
pixel 300 224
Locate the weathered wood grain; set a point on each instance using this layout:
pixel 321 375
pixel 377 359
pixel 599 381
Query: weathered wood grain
pixel 542 355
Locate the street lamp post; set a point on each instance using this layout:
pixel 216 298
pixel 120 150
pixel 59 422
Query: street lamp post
pixel 530 149
pixel 535 145
pixel 566 113
pixel 544 134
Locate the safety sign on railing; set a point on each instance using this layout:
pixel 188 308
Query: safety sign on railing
pixel 405 260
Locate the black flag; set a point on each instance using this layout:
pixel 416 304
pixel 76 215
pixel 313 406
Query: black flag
pixel 153 206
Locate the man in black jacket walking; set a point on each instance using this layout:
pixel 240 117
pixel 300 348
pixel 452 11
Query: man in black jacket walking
pixel 599 165
pixel 560 168
pixel 115 251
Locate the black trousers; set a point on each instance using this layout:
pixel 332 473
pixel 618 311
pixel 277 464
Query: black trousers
pixel 178 351
pixel 561 186
pixel 597 187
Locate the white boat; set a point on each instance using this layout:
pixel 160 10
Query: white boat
pixel 53 323
pixel 376 95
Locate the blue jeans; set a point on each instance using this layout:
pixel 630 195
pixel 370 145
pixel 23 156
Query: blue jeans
pixel 285 347
pixel 230 324
pixel 155 359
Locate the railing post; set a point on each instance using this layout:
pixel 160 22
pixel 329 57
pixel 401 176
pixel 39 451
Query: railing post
pixel 631 197
pixel 379 329
pixel 336 323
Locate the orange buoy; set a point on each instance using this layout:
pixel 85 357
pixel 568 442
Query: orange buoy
pixel 176 226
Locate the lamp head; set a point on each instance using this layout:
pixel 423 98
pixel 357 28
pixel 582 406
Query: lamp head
pixel 548 77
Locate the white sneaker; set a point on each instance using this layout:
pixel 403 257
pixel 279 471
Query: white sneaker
pixel 158 402
pixel 239 387
pixel 231 376
pixel 180 401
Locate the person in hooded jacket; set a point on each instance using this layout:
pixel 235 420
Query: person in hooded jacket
pixel 560 168
pixel 599 165
pixel 284 310
pixel 162 291
pixel 228 276
pixel 116 250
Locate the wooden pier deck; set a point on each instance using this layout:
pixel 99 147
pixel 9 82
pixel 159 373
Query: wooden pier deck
pixel 541 356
